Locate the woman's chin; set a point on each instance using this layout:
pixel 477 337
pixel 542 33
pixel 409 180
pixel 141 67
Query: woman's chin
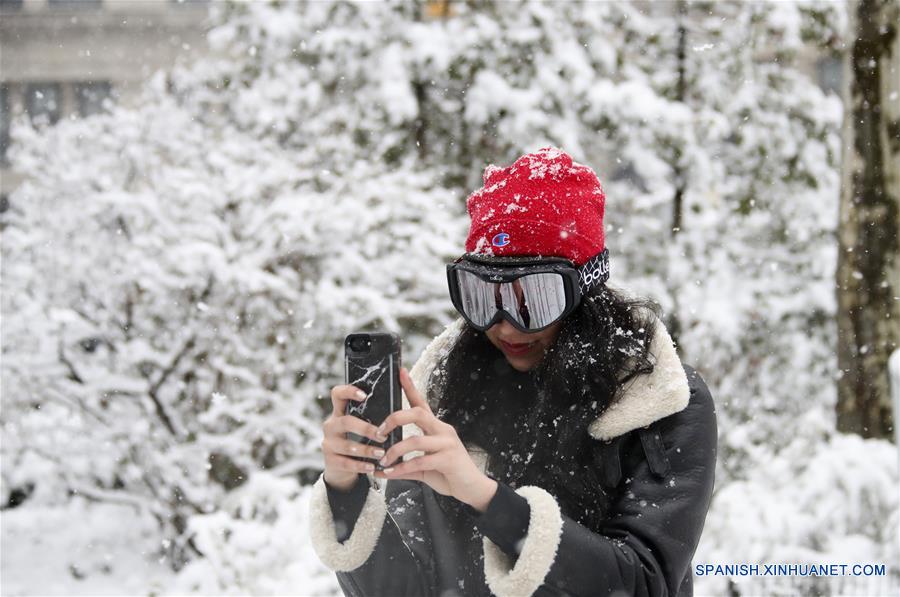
pixel 522 364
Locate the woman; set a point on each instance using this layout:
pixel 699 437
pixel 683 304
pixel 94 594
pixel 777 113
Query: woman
pixel 560 446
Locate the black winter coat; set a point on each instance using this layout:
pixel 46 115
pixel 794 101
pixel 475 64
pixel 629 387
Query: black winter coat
pixel 659 449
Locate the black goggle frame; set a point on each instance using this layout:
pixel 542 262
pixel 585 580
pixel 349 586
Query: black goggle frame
pixel 500 270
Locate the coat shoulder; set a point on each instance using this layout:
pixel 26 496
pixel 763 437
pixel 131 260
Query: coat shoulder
pixel 695 426
pixel 701 405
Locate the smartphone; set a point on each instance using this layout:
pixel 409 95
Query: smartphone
pixel 372 364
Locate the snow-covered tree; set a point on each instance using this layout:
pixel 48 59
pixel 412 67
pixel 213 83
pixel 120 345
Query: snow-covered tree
pixel 175 304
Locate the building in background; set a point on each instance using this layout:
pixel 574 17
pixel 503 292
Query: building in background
pixel 67 58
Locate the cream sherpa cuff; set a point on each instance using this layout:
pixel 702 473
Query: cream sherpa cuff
pixel 538 549
pixel 352 553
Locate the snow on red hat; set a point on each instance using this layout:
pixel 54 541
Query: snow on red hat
pixel 544 204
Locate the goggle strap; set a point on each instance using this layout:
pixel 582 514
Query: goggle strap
pixel 595 271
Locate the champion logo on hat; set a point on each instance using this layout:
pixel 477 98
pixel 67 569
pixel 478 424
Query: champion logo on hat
pixel 500 239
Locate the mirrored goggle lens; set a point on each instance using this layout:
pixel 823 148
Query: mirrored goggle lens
pixel 534 300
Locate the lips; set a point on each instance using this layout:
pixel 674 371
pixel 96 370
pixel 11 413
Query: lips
pixel 517 349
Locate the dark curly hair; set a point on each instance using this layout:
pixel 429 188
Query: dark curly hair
pixel 601 345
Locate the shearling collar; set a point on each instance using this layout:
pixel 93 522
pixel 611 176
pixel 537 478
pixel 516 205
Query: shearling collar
pixel 643 400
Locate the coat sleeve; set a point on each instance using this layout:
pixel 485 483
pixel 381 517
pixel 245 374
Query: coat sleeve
pixel 354 534
pixel 645 544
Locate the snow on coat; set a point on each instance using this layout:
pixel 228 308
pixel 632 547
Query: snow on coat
pixel 402 539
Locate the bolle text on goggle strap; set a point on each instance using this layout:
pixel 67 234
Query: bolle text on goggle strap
pixel 595 271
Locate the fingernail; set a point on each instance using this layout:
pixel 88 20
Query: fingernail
pixel 370 467
pixel 388 470
pixel 360 394
pixel 381 429
pixel 380 438
pixel 378 453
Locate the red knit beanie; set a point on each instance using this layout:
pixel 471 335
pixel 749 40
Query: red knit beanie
pixel 544 204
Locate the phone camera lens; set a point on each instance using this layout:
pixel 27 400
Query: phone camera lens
pixel 360 343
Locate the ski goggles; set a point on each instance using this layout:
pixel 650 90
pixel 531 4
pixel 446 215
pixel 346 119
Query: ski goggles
pixel 531 294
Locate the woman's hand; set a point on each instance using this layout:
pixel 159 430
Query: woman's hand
pixel 446 466
pixel 341 471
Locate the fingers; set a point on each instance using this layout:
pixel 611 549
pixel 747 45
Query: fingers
pixel 340 452
pixel 348 447
pixel 336 462
pixel 342 394
pixel 338 426
pixel 413 468
pixel 422 417
pixel 425 443
pixel 418 476
pixel 412 394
